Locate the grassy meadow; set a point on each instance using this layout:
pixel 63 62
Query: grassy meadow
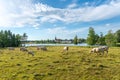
pixel 76 64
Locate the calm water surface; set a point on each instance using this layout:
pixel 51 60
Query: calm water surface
pixel 82 44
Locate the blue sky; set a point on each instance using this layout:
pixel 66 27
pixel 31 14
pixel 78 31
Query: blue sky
pixel 45 19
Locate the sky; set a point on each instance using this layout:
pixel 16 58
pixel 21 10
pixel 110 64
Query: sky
pixel 45 19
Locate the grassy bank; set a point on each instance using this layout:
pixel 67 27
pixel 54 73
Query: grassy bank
pixel 76 64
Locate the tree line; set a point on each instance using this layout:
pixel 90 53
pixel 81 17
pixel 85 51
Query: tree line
pixel 9 39
pixel 110 39
pixel 77 40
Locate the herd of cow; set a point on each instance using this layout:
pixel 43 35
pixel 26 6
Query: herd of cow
pixel 98 50
pixel 24 49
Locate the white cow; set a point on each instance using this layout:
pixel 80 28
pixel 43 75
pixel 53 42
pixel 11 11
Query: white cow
pixel 65 48
pixel 97 50
pixel 100 49
pixel 106 48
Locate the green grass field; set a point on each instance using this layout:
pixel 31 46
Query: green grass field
pixel 76 64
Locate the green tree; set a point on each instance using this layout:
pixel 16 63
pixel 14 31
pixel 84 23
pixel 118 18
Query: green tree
pixel 13 40
pixel 117 35
pixel 81 40
pixel 101 40
pixel 7 39
pixel 91 39
pixel 24 38
pixel 96 38
pixel 110 38
pixel 18 38
pixel 1 38
pixel 10 38
pixel 75 40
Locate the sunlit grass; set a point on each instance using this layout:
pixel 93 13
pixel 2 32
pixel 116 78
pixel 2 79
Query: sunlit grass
pixel 76 64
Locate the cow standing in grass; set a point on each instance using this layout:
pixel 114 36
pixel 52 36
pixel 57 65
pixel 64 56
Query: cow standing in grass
pixel 23 49
pixel 66 48
pixel 97 50
pixel 105 48
pixel 11 48
pixel 31 53
pixel 100 49
pixel 43 48
pixel 26 50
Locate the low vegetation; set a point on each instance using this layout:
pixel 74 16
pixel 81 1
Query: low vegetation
pixel 53 64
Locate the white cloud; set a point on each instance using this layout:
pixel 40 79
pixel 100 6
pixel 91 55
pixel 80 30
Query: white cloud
pixel 15 13
pixel 86 3
pixel 83 31
pixel 106 27
pixel 71 6
pixel 66 33
pixel 57 30
pixel 20 13
pixel 108 24
pixel 64 30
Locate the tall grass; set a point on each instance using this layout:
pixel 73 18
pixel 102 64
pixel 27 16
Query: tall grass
pixel 76 64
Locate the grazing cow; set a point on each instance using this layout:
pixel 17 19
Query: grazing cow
pixel 65 48
pixel 11 48
pixel 38 48
pixel 105 48
pixel 31 53
pixel 97 50
pixel 23 49
pixel 42 48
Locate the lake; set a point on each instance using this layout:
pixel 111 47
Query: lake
pixel 82 44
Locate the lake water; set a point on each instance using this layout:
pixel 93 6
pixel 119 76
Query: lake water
pixel 82 44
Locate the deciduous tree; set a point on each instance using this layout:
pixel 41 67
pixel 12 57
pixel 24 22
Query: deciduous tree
pixel 91 39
